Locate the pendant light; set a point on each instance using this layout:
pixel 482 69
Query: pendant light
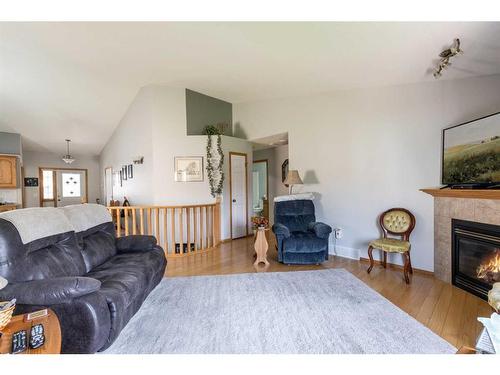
pixel 68 159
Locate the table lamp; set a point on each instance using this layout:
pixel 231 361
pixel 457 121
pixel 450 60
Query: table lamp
pixel 292 178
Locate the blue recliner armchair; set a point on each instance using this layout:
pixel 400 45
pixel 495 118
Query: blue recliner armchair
pixel 301 240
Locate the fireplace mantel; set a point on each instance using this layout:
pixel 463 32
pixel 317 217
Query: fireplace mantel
pixel 463 193
pixel 480 206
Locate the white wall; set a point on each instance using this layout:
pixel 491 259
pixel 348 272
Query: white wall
pixel 11 196
pixel 132 138
pixel 275 156
pixel 33 160
pixel 155 127
pixel 363 151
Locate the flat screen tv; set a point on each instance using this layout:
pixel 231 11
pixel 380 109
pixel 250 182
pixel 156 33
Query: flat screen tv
pixel 471 153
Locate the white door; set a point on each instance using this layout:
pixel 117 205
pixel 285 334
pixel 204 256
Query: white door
pixel 238 176
pixel 71 185
pixel 108 185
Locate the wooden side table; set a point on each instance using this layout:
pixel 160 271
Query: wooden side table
pixel 261 246
pixel 52 332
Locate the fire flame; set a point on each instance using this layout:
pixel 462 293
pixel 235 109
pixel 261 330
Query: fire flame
pixel 490 269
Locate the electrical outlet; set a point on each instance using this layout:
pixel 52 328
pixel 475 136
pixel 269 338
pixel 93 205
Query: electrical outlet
pixel 339 233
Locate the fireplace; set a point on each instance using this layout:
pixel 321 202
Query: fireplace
pixel 475 256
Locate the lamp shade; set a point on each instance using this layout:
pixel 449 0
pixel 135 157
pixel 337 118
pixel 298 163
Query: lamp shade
pixel 293 178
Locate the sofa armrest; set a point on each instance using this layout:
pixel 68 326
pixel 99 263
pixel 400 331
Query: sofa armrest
pixel 135 243
pixel 281 230
pixel 50 291
pixel 321 230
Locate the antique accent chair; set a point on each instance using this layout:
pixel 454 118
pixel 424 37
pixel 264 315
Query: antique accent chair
pixel 300 239
pixel 398 222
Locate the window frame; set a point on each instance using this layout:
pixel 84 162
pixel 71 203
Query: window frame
pixel 42 185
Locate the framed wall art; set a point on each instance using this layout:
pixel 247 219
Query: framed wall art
pixel 31 181
pixel 188 168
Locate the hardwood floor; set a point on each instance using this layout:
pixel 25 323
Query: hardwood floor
pixel 448 311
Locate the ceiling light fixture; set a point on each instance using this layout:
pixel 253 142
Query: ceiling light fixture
pixel 68 159
pixel 446 55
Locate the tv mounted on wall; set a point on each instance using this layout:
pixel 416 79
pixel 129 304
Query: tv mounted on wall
pixel 471 154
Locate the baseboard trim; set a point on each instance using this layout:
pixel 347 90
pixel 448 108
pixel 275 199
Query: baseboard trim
pixel 396 266
pixel 226 240
pixel 344 252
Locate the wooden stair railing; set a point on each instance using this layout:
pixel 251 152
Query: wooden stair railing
pixel 180 230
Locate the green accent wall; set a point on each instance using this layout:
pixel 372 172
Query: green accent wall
pixel 203 110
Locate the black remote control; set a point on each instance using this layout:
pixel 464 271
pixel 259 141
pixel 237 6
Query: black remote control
pixel 37 337
pixel 19 342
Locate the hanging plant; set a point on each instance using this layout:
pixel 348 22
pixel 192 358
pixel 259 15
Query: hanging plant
pixel 214 170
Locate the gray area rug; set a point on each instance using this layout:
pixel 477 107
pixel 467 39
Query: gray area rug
pixel 326 311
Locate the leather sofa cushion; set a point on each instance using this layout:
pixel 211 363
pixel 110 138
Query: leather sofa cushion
pixel 95 232
pixel 55 256
pixel 135 243
pixel 126 275
pixel 304 242
pixel 97 244
pixel 126 280
pixel 50 291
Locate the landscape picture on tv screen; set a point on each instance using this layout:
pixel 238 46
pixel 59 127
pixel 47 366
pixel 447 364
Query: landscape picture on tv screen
pixel 471 152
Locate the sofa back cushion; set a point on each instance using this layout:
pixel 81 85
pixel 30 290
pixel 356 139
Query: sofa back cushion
pixel 38 243
pixel 294 214
pixel 95 232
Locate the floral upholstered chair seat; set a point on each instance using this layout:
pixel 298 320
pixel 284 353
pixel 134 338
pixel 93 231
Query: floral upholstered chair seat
pixel 391 245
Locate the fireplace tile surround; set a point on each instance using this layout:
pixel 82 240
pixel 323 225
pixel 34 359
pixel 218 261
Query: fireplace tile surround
pixel 446 208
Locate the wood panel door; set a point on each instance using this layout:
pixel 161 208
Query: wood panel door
pixel 8 171
pixel 238 193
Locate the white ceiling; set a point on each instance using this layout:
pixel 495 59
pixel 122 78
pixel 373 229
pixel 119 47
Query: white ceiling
pixel 271 141
pixel 76 80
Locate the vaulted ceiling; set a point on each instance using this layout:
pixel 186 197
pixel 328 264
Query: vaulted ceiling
pixel 76 80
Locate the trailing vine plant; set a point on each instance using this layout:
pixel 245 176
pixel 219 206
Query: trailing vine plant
pixel 214 170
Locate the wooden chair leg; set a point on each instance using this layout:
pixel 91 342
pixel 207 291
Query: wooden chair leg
pixel 406 267
pixel 370 255
pixel 409 259
pixel 385 259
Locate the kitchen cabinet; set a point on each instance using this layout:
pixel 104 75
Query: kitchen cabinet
pixel 8 171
